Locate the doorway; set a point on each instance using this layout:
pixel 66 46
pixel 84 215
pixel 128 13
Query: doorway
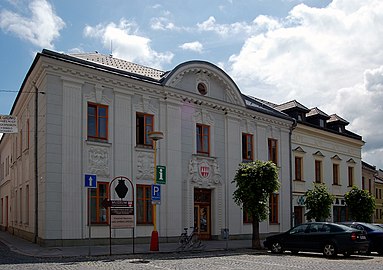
pixel 202 213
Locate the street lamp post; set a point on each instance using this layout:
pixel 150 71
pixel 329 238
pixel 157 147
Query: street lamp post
pixel 155 136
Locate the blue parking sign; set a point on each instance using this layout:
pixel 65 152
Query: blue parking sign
pixel 90 181
pixel 156 192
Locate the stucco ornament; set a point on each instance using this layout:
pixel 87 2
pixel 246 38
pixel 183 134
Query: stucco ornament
pixel 98 161
pixel 204 172
pixel 145 166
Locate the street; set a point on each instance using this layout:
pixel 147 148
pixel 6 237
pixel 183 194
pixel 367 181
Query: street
pixel 241 259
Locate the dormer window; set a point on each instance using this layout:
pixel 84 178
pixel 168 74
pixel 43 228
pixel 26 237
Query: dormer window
pixel 321 123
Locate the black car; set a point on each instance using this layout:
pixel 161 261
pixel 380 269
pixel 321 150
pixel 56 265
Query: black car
pixel 326 237
pixel 374 234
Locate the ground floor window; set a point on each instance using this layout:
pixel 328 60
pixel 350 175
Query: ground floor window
pixel 98 214
pixel 273 217
pixel 340 213
pixel 144 205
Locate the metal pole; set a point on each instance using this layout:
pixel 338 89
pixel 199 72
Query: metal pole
pixel 155 181
pixel 89 222
pixel 36 167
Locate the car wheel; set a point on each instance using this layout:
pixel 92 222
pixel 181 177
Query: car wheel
pixel 329 250
pixel 294 252
pixel 276 247
pixel 380 252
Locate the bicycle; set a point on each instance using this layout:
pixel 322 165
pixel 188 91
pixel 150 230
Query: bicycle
pixel 188 241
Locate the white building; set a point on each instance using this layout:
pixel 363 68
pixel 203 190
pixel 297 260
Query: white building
pixel 94 113
pixel 324 151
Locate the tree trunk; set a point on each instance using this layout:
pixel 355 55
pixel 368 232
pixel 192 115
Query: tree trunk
pixel 255 241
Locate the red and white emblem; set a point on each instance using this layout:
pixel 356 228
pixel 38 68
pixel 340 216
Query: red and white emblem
pixel 204 169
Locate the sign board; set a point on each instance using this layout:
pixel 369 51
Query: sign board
pixel 122 217
pixel 90 181
pixel 156 194
pixel 8 124
pixel 161 174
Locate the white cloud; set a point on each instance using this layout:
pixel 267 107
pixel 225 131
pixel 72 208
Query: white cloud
pixel 41 28
pixel 195 46
pixel 127 43
pixel 162 23
pixel 327 57
pixel 224 30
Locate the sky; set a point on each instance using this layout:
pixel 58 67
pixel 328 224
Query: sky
pixel 322 53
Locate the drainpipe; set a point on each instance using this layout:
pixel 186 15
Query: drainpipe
pixel 36 166
pixel 291 173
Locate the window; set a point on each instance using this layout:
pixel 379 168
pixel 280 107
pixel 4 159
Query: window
pixel 318 171
pixel 97 121
pixel 202 88
pixel 27 204
pixel 144 205
pixel 203 137
pixel 273 217
pixel 363 182
pixel 247 146
pixel 350 176
pixel 247 217
pixel 298 168
pixel 369 186
pixel 98 214
pixel 144 125
pixel 273 150
pixel 335 174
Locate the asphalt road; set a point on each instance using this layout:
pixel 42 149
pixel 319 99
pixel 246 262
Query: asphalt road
pixel 241 259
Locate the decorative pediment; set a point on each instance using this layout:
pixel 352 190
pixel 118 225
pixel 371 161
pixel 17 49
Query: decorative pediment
pixel 351 161
pixel 336 157
pixel 299 150
pixel 318 154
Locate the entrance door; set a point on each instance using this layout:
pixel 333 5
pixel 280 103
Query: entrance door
pixel 202 216
pixel 298 215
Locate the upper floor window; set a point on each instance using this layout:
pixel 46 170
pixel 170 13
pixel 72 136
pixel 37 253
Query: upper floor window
pixel 203 137
pixel 350 176
pixel 247 217
pixel 298 168
pixel 335 174
pixel 318 171
pixel 247 146
pixel 97 121
pixel 273 150
pixel 144 125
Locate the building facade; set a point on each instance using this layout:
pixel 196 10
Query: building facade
pixel 378 217
pixel 323 151
pixel 91 114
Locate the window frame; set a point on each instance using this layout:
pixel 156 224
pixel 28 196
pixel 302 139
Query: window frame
pixel 201 134
pixel 335 174
pixel 350 176
pixel 142 133
pixel 247 142
pixel 273 150
pixel 97 118
pixel 298 169
pixel 318 171
pixel 247 219
pixel 147 209
pixel 99 207
pixel 274 211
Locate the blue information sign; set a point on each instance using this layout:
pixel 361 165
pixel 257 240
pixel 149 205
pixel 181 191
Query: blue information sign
pixel 90 181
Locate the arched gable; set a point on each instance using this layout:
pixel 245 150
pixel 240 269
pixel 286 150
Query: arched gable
pixel 192 76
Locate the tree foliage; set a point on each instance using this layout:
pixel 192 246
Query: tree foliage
pixel 360 203
pixel 318 201
pixel 255 181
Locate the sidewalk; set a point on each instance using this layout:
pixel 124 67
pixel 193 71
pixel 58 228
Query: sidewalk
pixel 22 246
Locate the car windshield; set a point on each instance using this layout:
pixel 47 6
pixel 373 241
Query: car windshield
pixel 371 227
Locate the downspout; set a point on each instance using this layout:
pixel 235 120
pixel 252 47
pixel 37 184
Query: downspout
pixel 291 173
pixel 36 166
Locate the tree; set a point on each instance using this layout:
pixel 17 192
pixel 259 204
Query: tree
pixel 255 181
pixel 360 203
pixel 318 202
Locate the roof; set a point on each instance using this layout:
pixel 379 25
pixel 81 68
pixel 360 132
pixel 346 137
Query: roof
pixel 257 105
pixel 334 118
pixel 316 112
pixel 110 61
pixel 293 104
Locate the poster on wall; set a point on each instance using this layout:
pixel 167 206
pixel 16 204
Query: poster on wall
pixel 8 124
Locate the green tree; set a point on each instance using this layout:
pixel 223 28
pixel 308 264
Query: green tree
pixel 255 181
pixel 360 203
pixel 318 202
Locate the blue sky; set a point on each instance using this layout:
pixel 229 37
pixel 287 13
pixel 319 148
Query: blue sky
pixel 323 53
